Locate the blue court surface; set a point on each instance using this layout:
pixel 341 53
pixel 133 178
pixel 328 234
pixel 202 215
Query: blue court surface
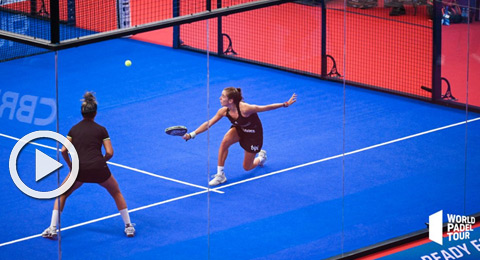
pixel 347 167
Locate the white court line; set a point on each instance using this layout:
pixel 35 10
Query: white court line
pixel 161 177
pixel 20 240
pixel 109 216
pixel 254 178
pixel 124 166
pixel 37 144
pixel 349 153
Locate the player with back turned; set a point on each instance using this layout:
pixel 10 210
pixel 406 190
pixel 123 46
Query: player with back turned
pixel 88 137
pixel 246 129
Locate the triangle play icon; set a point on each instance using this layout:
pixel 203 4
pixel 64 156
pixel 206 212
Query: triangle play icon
pixel 44 165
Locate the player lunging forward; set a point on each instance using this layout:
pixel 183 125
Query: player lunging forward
pixel 246 129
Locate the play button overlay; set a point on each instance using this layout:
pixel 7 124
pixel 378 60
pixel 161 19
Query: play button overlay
pixel 44 165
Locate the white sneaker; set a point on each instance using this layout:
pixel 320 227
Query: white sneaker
pixel 130 230
pixel 263 157
pixel 218 178
pixel 50 232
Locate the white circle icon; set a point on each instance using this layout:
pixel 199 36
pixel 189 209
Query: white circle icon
pixel 44 165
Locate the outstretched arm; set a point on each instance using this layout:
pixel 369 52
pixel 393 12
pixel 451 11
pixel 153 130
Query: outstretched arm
pixel 203 127
pixel 250 109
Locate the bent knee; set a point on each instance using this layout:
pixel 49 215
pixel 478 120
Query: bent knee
pixel 248 167
pixel 226 143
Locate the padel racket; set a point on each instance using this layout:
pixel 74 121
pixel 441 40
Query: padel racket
pixel 178 130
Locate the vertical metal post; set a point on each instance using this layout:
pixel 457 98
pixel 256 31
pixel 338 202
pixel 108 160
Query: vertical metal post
pixel 176 28
pixel 324 40
pixel 72 18
pixel 33 7
pixel 437 51
pixel 59 224
pixel 476 9
pixel 54 22
pixel 219 31
pixel 209 5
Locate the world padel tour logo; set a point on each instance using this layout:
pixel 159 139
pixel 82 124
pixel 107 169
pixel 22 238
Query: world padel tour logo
pixel 458 227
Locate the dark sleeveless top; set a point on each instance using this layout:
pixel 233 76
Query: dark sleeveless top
pixel 248 125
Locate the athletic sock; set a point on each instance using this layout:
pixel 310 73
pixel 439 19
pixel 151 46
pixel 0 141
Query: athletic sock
pixel 125 216
pixel 53 222
pixel 220 169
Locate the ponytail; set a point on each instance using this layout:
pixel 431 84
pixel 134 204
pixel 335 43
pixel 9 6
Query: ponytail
pixel 89 105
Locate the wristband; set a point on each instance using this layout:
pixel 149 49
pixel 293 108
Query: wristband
pixel 192 135
pixel 285 104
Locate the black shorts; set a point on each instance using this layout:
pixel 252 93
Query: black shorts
pixel 251 143
pixel 95 175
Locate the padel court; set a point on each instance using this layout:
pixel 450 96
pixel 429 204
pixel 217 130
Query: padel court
pixel 349 168
pixel 352 175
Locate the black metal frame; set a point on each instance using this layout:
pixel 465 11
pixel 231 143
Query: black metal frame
pixel 55 44
pixel 437 52
pixel 324 40
pixel 436 87
pixel 54 22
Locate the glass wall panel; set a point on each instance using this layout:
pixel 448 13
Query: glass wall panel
pixel 141 89
pixel 404 158
pixel 311 132
pixel 459 58
pixel 473 124
pixel 290 207
pixel 28 104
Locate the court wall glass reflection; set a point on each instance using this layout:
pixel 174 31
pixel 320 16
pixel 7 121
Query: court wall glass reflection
pixel 291 206
pixel 27 104
pixel 161 177
pixel 472 128
pixel 396 145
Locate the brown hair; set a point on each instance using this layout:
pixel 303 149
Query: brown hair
pixel 89 105
pixel 234 93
